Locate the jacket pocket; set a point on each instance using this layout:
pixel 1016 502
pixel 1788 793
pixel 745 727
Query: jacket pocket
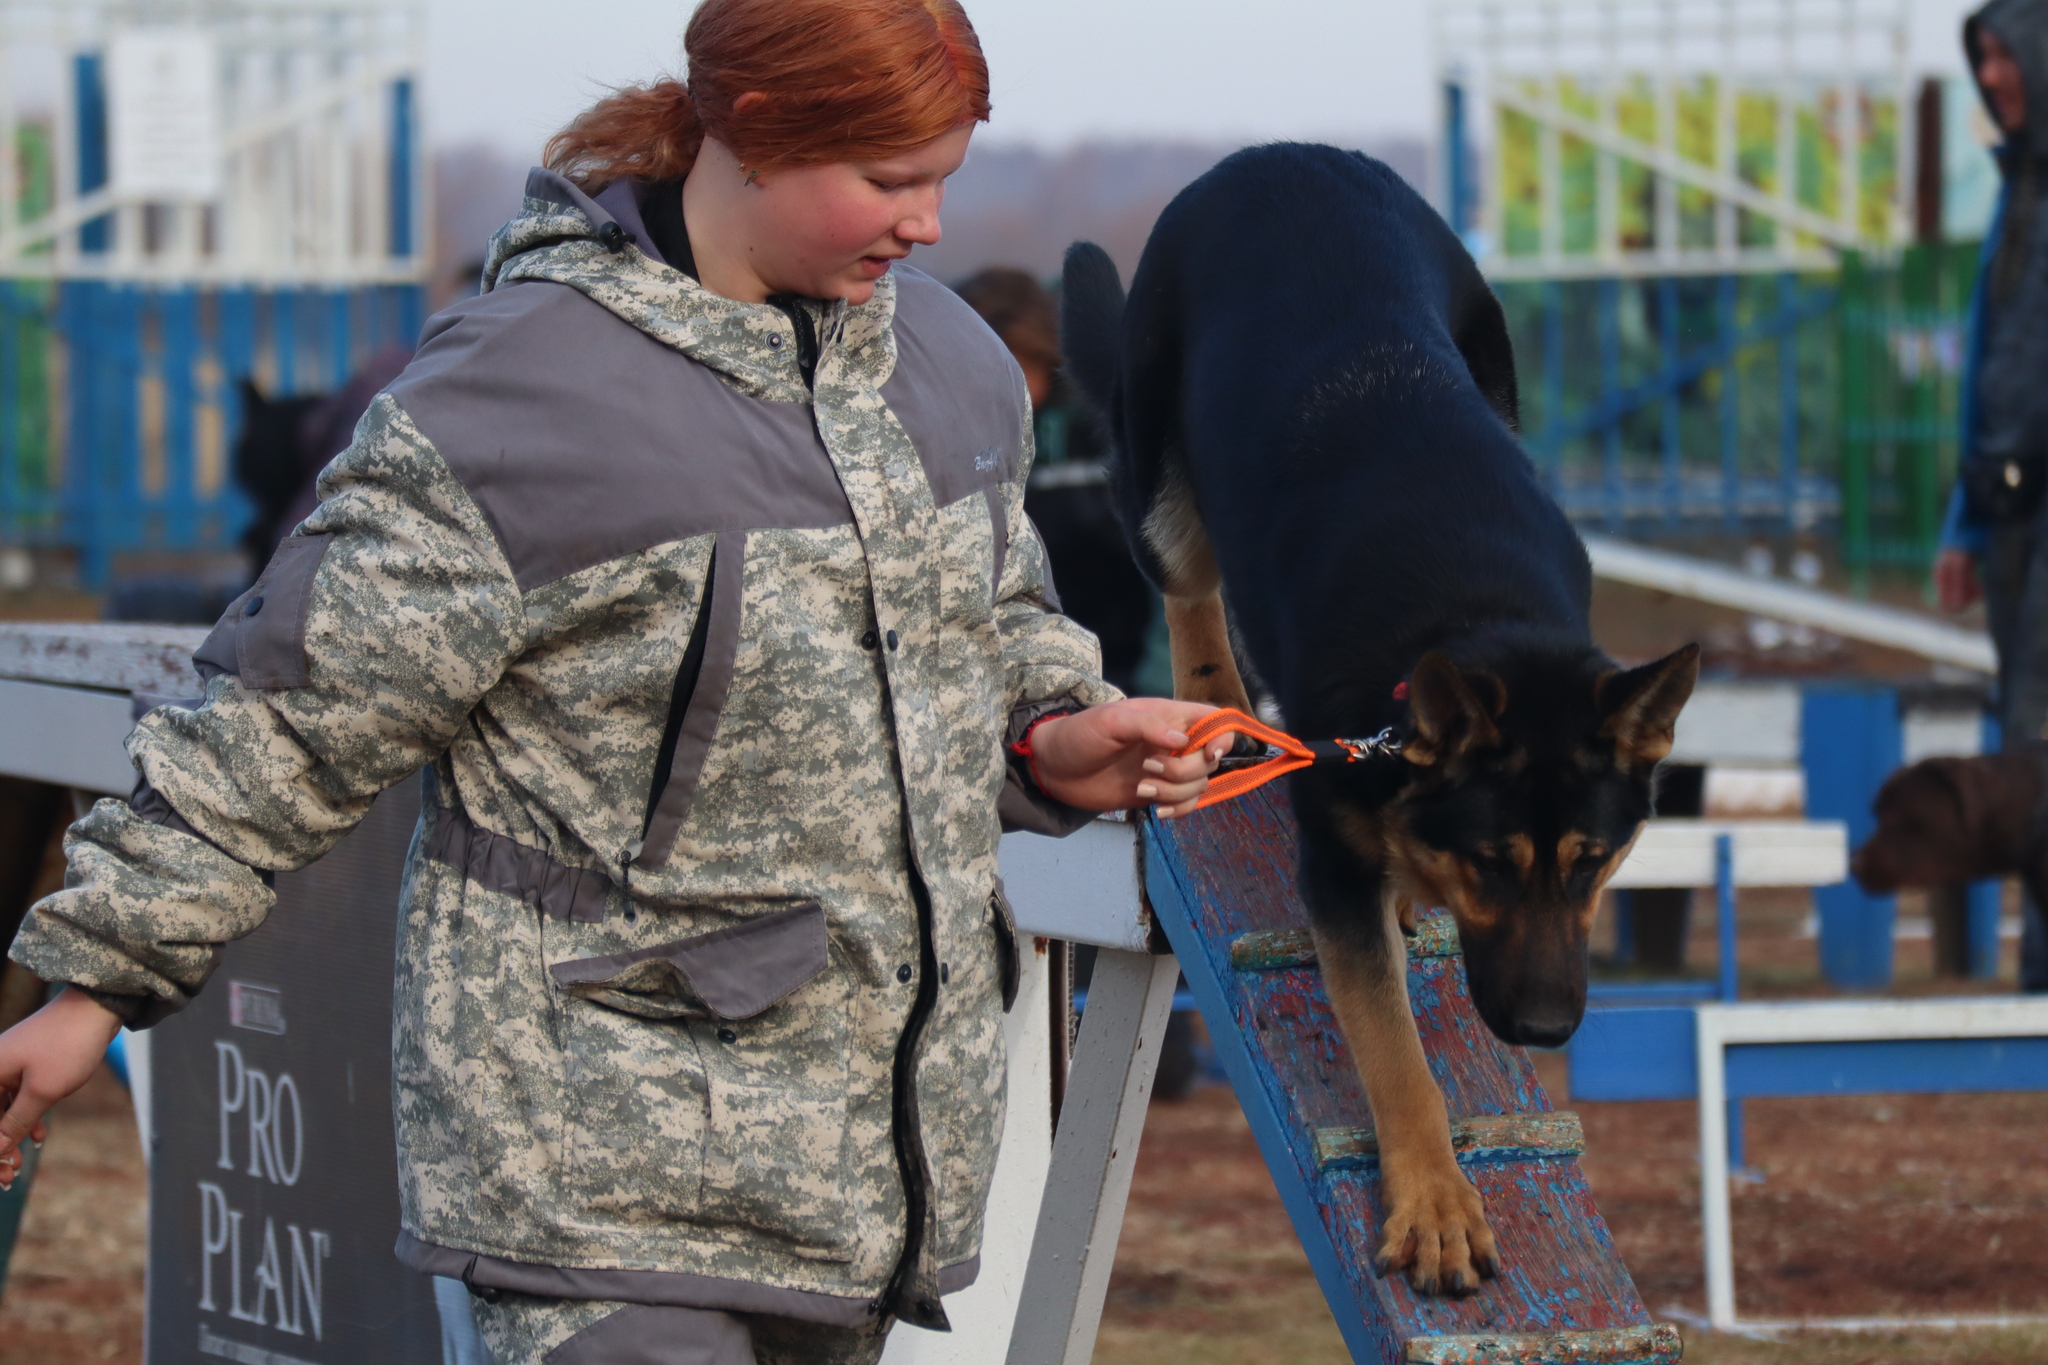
pixel 733 973
pixel 702 683
pixel 261 638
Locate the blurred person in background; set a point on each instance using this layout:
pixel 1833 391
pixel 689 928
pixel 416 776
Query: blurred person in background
pixel 1992 543
pixel 1068 496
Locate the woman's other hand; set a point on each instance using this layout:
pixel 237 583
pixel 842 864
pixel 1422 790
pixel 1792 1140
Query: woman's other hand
pixel 1123 755
pixel 1955 580
pixel 44 1058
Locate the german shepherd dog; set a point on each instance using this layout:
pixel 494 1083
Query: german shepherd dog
pixel 1313 398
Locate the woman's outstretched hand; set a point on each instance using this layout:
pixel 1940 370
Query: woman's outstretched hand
pixel 1123 755
pixel 44 1058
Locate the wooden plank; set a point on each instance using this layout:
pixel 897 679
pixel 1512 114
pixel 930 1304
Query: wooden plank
pixel 1228 872
pixel 1083 888
pixel 1279 949
pixel 1493 1137
pixel 1739 722
pixel 1767 853
pixel 114 655
pixel 66 735
pixel 1613 1346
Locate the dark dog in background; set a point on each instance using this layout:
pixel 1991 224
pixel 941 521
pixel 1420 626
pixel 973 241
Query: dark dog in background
pixel 286 442
pixel 1312 395
pixel 1945 821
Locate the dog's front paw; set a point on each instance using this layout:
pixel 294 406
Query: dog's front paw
pixel 1437 1234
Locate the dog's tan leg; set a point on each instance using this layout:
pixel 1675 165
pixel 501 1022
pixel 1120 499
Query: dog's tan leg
pixel 1436 1227
pixel 1203 667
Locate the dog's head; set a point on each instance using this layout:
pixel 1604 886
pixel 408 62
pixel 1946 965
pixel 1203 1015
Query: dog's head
pixel 1947 820
pixel 1532 776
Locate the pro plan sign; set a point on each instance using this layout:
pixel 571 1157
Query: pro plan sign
pixel 273 1189
pixel 289 1299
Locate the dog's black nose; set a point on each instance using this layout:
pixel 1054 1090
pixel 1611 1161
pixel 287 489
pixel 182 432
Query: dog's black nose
pixel 1545 1030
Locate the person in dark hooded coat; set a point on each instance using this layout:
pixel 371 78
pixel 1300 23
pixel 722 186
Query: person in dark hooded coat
pixel 1993 543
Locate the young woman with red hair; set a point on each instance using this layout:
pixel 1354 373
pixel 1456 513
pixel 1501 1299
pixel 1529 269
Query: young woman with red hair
pixel 690 559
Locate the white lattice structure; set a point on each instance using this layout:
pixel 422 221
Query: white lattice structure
pixel 1652 91
pixel 212 142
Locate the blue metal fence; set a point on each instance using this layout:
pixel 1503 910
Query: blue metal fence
pixel 1669 404
pixel 119 403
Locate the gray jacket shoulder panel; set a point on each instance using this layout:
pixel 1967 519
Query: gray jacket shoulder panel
pixel 956 390
pixel 583 439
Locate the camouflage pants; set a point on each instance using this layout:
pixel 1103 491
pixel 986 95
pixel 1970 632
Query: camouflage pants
pixel 523 1330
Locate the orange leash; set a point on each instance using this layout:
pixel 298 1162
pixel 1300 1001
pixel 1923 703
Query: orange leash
pixel 1284 753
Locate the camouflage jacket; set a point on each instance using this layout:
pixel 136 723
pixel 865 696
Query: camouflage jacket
pixel 702 956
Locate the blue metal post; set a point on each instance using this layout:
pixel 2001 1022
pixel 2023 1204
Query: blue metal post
pixel 1553 380
pixel 1849 744
pixel 1609 327
pixel 1458 196
pixel 284 341
pixel 1667 333
pixel 1724 928
pixel 341 362
pixel 1986 899
pixel 13 330
pixel 403 154
pixel 1731 409
pixel 412 313
pixel 89 89
pixel 1624 902
pixel 1788 396
pixel 1724 910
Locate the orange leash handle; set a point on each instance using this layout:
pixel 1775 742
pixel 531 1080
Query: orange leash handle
pixel 1294 754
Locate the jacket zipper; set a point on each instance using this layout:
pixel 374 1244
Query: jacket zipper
pixel 905 1298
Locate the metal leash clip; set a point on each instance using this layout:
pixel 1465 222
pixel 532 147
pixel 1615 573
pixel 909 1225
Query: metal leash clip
pixel 1385 744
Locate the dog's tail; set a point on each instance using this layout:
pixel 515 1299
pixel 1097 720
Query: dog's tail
pixel 1092 321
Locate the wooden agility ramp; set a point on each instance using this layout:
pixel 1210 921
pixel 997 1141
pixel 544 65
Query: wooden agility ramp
pixel 1223 886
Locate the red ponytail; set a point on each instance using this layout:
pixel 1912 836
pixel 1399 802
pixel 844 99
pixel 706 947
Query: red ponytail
pixel 840 80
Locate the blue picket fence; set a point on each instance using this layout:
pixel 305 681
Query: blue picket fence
pixel 120 403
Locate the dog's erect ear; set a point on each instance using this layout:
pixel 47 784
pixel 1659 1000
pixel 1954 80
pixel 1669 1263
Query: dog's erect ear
pixel 252 397
pixel 1639 706
pixel 1453 710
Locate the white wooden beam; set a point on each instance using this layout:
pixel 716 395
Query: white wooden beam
pixel 1684 576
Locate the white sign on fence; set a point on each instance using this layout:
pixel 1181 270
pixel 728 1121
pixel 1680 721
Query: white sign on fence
pixel 163 110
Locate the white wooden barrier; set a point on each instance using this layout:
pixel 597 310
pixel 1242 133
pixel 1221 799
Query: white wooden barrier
pixel 1822 1021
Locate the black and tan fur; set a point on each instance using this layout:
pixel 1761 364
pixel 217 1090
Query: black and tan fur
pixel 1313 396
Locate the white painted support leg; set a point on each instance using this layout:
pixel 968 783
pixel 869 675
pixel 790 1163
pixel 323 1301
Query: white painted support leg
pixel 1716 1215
pixel 1129 998
pixel 983 1313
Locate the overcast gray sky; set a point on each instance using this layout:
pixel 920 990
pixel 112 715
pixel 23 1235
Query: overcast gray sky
pixel 508 72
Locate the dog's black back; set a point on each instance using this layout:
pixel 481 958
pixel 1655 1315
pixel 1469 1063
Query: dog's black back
pixel 1350 365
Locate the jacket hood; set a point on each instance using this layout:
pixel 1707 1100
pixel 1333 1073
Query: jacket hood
pixel 2022 25
pixel 598 245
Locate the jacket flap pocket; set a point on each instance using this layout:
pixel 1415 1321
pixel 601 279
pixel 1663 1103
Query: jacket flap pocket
pixel 261 638
pixel 733 973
